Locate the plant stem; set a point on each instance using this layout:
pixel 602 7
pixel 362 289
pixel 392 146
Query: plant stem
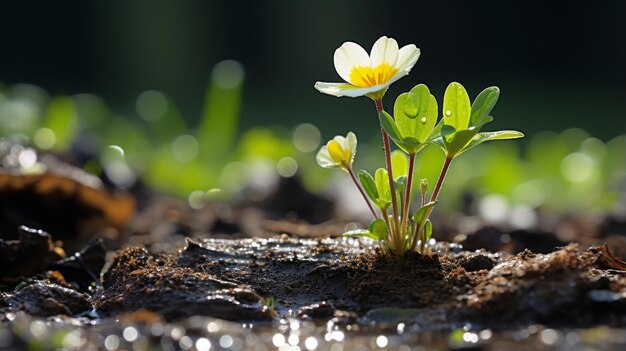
pixel 407 193
pixel 442 176
pixel 386 219
pixel 418 229
pixel 392 187
pixel 358 186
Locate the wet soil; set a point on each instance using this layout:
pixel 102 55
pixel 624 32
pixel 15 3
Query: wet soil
pixel 327 277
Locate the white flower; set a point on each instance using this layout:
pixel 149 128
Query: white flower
pixel 338 152
pixel 369 74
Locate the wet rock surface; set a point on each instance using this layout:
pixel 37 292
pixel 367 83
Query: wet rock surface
pixel 46 299
pixel 83 268
pixel 31 253
pixel 554 289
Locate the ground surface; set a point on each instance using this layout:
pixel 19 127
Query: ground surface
pixel 85 263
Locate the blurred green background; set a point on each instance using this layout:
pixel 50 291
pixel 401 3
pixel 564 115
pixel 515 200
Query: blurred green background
pixel 205 85
pixel 559 64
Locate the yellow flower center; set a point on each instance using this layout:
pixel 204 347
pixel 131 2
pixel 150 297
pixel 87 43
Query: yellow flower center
pixel 337 153
pixel 365 77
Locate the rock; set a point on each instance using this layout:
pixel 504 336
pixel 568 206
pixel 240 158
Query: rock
pixel 477 262
pixel 83 268
pixel 30 254
pixel 44 299
pixel 61 198
pixel 322 310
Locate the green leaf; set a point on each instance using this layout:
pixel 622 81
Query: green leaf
pixel 378 228
pixel 399 184
pixel 447 130
pixel 389 125
pixel 418 96
pixel 490 136
pixel 369 185
pixel 219 124
pixel 438 134
pixel 458 140
pixel 377 231
pixel 456 106
pixel 170 125
pixel 421 214
pixel 440 130
pixel 61 118
pixel 359 232
pixel 399 163
pixel 483 104
pixel 420 125
pixel 382 185
pixel 482 122
pixel 410 145
pixel 411 105
pixel 428 230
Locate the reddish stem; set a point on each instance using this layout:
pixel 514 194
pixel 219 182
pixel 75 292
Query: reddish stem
pixel 379 105
pixel 442 176
pixel 418 229
pixel 407 193
pixel 392 188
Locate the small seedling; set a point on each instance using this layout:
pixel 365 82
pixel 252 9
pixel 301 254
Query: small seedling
pixel 412 127
pixel 269 304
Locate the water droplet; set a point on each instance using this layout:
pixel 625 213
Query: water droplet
pixel 306 137
pixel 448 113
pixel 151 105
pixel 203 344
pixel 117 149
pixel 228 74
pixel 278 339
pixel 381 341
pixel 185 148
pixel 226 341
pixel 45 138
pixel 311 343
pixel 287 166
pixel 130 334
pixel 423 120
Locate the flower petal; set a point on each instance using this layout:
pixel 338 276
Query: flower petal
pixel 385 50
pixel 324 160
pixel 351 145
pixel 341 140
pixel 344 89
pixel 348 56
pixel 337 152
pixel 407 58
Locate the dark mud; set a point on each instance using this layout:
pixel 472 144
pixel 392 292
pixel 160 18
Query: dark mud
pixel 232 279
pixel 257 279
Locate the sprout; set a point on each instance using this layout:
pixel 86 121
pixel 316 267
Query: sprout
pixel 412 127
